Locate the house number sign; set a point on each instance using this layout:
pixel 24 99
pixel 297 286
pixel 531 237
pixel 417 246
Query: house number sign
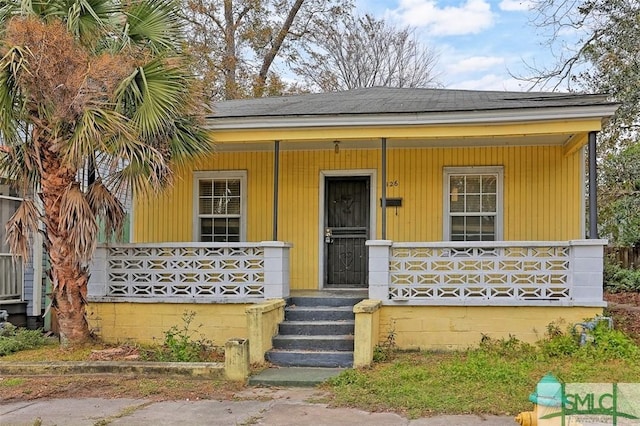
pixel 393 183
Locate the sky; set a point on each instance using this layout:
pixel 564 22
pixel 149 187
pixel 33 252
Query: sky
pixel 480 42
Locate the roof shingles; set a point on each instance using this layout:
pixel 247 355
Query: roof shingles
pixel 385 100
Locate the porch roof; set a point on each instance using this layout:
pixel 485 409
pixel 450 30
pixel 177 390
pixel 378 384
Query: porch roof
pixel 387 100
pixel 410 117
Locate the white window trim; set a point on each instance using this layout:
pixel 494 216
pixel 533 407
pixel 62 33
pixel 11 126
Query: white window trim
pixel 448 171
pixel 225 174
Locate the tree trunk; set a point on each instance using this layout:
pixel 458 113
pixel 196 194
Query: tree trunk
pixel 69 278
pixel 261 79
pixel 230 60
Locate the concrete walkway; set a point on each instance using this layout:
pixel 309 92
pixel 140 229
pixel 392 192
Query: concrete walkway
pixel 299 377
pixel 254 406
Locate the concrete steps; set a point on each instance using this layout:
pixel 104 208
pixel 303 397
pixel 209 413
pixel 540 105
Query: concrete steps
pixel 294 376
pixel 299 358
pixel 317 342
pixel 317 332
pixel 319 313
pixel 310 328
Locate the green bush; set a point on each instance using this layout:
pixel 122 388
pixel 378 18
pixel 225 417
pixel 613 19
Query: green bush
pixel 611 344
pixel 618 279
pixel 386 350
pixel 13 339
pixel 180 345
pixel 506 348
pixel 601 343
pixel 557 342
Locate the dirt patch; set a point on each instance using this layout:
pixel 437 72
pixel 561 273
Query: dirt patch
pixel 98 351
pixel 14 388
pixel 625 310
pixel 114 386
pixel 120 353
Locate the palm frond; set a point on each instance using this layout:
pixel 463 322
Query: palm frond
pixel 158 91
pixel 18 165
pixel 95 127
pixel 78 222
pixel 12 64
pixel 42 8
pixel 106 207
pixel 89 20
pixel 189 141
pixel 11 8
pixel 7 10
pixel 129 93
pixel 132 165
pixel 154 24
pixel 122 149
pixel 140 178
pixel 21 226
pixel 8 115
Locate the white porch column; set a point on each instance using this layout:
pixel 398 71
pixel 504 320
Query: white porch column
pixel 379 277
pixel 587 257
pixel 97 285
pixel 276 269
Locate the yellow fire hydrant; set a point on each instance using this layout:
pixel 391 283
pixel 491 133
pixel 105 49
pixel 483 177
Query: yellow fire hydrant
pixel 547 400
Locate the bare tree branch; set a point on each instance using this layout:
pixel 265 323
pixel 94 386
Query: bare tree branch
pixel 276 45
pixel 236 44
pixel 366 52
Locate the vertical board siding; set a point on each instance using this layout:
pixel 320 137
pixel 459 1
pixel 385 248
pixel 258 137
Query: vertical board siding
pixel 169 215
pixel 542 196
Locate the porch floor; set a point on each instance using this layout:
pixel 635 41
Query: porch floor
pixel 348 292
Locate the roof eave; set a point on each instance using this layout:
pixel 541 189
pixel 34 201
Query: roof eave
pixel 599 112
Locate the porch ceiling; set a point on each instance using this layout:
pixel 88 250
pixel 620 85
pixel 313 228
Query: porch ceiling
pixel 374 143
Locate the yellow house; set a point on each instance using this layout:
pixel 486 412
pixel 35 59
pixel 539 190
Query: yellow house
pixel 453 213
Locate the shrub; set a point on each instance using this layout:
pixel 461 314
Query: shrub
pixel 557 342
pixel 510 348
pixel 180 345
pixel 385 351
pixel 611 344
pixel 601 343
pixel 618 279
pixel 14 339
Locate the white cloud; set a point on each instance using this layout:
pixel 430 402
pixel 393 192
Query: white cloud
pixel 515 5
pixel 475 64
pixel 470 17
pixel 491 82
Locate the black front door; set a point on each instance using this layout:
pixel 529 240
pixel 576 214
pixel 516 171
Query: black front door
pixel 346 231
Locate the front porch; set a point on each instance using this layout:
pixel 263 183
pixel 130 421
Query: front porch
pixel 432 295
pixel 427 295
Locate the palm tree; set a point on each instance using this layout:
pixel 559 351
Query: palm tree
pixel 98 85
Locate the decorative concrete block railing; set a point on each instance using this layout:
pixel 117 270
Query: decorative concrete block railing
pixel 511 273
pixel 190 272
pixel 11 278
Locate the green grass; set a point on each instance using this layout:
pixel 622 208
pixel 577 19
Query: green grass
pixel 52 351
pixel 10 382
pixel 494 378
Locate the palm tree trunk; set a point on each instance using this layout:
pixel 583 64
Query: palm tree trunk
pixel 69 279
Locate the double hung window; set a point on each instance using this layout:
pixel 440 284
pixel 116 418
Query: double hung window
pixel 220 206
pixel 473 203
